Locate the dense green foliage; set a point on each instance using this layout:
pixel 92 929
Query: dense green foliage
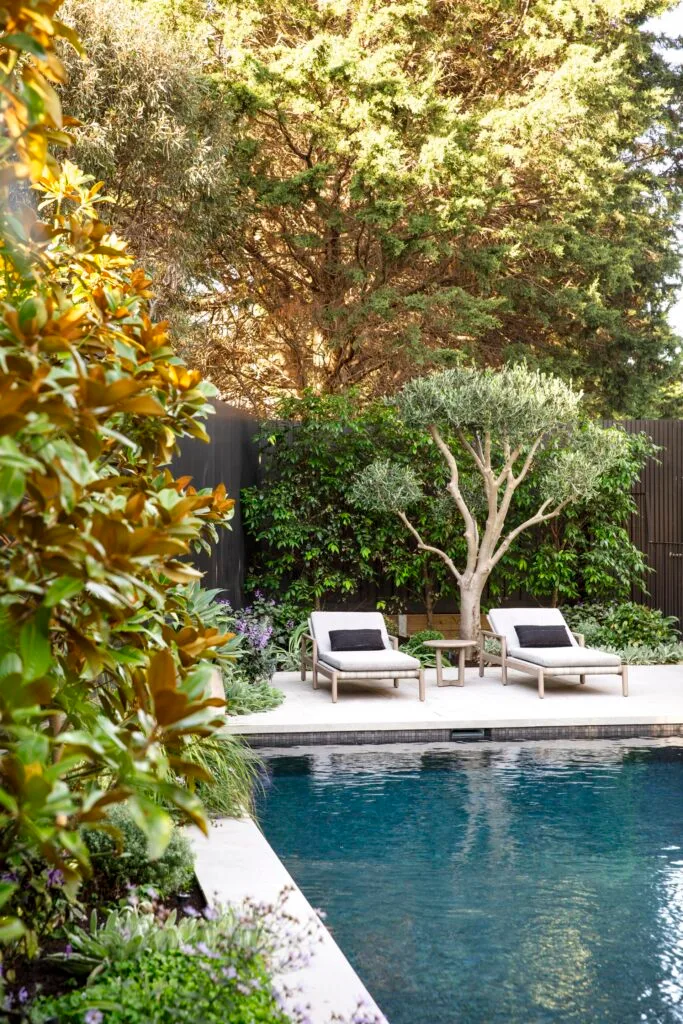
pixel 640 635
pixel 316 546
pixel 365 189
pixel 144 963
pixel 313 543
pixel 621 625
pixel 415 646
pixel 120 858
pixel 172 988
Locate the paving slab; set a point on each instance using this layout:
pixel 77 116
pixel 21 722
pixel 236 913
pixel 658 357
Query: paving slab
pixel 655 698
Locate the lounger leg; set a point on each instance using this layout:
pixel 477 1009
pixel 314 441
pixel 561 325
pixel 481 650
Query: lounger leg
pixel 396 683
pixel 504 671
pixel 315 675
pixel 481 658
pixel 541 684
pixel 624 680
pixel 303 659
pixel 421 683
pixel 334 687
pixel 582 680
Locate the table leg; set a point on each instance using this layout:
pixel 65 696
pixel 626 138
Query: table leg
pixel 439 668
pixel 461 666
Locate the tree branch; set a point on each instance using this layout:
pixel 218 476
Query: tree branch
pixel 471 528
pixel 540 517
pixel 428 547
pixel 481 466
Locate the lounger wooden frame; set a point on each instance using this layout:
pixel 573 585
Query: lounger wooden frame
pixel 542 672
pixel 317 666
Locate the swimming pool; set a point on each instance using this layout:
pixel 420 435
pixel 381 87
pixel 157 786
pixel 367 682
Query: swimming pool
pixel 495 884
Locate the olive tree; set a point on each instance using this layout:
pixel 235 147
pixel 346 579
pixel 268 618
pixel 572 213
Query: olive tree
pixel 501 421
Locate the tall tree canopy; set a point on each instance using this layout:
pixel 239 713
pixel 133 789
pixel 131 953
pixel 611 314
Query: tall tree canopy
pixel 424 182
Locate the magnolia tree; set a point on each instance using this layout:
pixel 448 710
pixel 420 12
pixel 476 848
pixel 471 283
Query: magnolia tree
pixel 490 427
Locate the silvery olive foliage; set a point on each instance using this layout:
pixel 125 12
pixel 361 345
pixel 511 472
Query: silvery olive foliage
pixel 386 486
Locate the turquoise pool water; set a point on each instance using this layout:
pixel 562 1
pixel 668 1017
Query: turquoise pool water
pixel 506 884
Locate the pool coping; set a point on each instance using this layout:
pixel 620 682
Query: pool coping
pixel 460 732
pixel 236 862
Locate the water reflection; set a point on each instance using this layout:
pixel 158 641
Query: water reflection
pixel 535 883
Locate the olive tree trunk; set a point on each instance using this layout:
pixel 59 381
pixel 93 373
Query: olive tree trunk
pixel 485 546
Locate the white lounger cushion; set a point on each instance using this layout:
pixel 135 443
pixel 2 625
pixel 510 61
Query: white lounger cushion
pixel 370 661
pixel 504 620
pixel 565 657
pixel 322 622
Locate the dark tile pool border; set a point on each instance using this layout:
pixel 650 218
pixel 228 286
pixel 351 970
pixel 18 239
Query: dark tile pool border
pixel 536 732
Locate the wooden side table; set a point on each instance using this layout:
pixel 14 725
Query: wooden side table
pixel 461 646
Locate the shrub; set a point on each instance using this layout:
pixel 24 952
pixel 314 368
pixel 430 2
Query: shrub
pixel 172 988
pixel 245 698
pixel 214 968
pixel 415 646
pixel 123 859
pixel 128 932
pixel 622 625
pixel 643 654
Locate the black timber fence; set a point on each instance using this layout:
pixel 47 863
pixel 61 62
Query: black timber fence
pixel 233 458
pixel 657 528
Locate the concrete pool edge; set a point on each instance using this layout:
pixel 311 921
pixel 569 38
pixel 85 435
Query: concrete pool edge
pixel 236 862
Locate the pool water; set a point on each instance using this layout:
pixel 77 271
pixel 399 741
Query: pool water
pixel 494 884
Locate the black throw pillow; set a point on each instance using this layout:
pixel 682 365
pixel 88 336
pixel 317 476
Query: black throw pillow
pixel 543 636
pixel 356 640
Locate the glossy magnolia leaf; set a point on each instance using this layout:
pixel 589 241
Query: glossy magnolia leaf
pixel 162 674
pixel 6 890
pixel 11 929
pixel 61 589
pixel 142 405
pixel 23 42
pixel 12 489
pixel 34 645
pixel 155 822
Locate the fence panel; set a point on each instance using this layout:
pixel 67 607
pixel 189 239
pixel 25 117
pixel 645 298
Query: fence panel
pixel 231 458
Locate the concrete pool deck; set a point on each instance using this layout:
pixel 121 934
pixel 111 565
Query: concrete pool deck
pixel 655 700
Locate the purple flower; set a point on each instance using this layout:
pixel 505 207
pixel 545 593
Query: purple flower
pixel 68 950
pixel 230 972
pixel 258 594
pixel 210 913
pixel 23 995
pixel 289 624
pixel 93 1017
pixel 55 878
pixel 190 911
